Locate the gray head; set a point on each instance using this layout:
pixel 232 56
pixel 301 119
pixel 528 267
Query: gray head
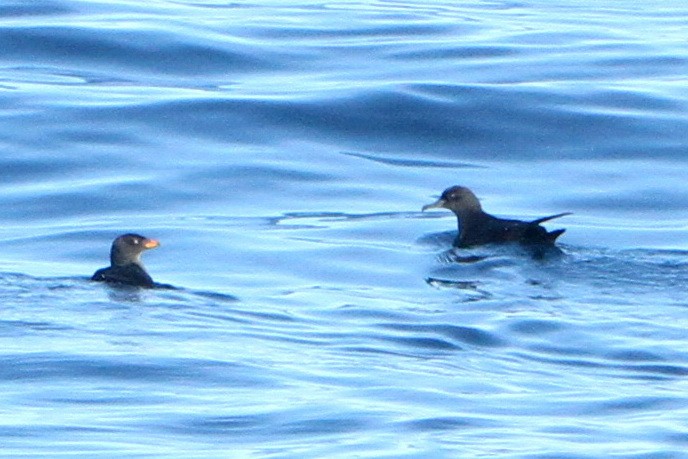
pixel 127 248
pixel 458 199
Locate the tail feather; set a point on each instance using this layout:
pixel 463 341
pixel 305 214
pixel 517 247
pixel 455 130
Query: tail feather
pixel 553 235
pixel 551 217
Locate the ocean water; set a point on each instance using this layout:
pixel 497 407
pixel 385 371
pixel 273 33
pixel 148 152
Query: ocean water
pixel 281 152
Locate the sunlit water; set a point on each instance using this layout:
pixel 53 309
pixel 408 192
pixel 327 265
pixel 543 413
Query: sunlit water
pixel 281 154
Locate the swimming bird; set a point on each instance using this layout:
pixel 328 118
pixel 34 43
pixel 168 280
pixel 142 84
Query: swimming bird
pixel 125 262
pixel 476 227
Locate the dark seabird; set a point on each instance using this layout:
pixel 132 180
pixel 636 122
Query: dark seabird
pixel 477 227
pixel 125 262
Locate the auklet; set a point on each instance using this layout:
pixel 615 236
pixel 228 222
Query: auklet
pixel 477 227
pixel 125 262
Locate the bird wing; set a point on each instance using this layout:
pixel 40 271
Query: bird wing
pixel 551 217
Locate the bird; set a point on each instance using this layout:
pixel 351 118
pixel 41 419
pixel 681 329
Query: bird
pixel 477 227
pixel 125 262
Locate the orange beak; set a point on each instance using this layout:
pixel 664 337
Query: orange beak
pixel 151 244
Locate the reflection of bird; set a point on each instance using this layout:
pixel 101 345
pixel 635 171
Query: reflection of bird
pixel 477 227
pixel 125 262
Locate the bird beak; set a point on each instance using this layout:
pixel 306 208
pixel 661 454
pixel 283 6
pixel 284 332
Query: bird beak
pixel 151 244
pixel 435 205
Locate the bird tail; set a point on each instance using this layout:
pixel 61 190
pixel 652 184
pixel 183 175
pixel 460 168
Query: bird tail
pixel 551 217
pixel 553 235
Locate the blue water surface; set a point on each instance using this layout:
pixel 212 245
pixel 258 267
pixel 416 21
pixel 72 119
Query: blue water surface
pixel 281 152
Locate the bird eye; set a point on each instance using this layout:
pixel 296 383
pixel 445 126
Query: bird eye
pixel 135 241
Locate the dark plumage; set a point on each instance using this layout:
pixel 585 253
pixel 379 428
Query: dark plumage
pixel 125 262
pixel 477 227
